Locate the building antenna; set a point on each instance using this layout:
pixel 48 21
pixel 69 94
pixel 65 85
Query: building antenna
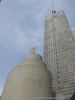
pixel 52 6
pixel 53 10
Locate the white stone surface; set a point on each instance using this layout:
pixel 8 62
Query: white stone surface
pixel 28 81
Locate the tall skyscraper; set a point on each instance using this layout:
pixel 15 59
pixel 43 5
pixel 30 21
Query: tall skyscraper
pixel 73 30
pixel 59 53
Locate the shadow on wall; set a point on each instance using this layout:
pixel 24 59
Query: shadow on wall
pixel 73 97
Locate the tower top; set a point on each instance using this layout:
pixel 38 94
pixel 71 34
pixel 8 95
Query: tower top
pixel 52 6
pixel 53 11
pixel 32 51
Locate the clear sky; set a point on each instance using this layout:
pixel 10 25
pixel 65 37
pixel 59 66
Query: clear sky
pixel 22 27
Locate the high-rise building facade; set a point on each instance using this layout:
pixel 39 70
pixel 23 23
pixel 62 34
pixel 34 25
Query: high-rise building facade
pixel 59 53
pixel 73 30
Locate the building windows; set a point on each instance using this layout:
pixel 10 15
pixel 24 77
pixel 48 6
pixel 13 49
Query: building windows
pixel 58 77
pixel 59 87
pixel 57 71
pixel 59 41
pixel 56 55
pixel 57 63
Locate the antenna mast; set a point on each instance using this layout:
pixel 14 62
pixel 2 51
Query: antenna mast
pixel 53 11
pixel 52 6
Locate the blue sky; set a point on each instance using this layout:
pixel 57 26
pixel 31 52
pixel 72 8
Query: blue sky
pixel 22 27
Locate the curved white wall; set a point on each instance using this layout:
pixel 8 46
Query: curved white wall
pixel 30 79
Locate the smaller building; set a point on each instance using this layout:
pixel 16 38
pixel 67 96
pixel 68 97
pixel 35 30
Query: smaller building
pixel 30 80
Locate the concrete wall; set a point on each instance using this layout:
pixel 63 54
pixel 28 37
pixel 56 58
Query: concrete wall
pixel 29 80
pixel 59 53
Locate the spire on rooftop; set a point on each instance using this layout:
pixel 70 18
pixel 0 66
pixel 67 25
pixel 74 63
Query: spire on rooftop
pixel 32 51
pixel 53 11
